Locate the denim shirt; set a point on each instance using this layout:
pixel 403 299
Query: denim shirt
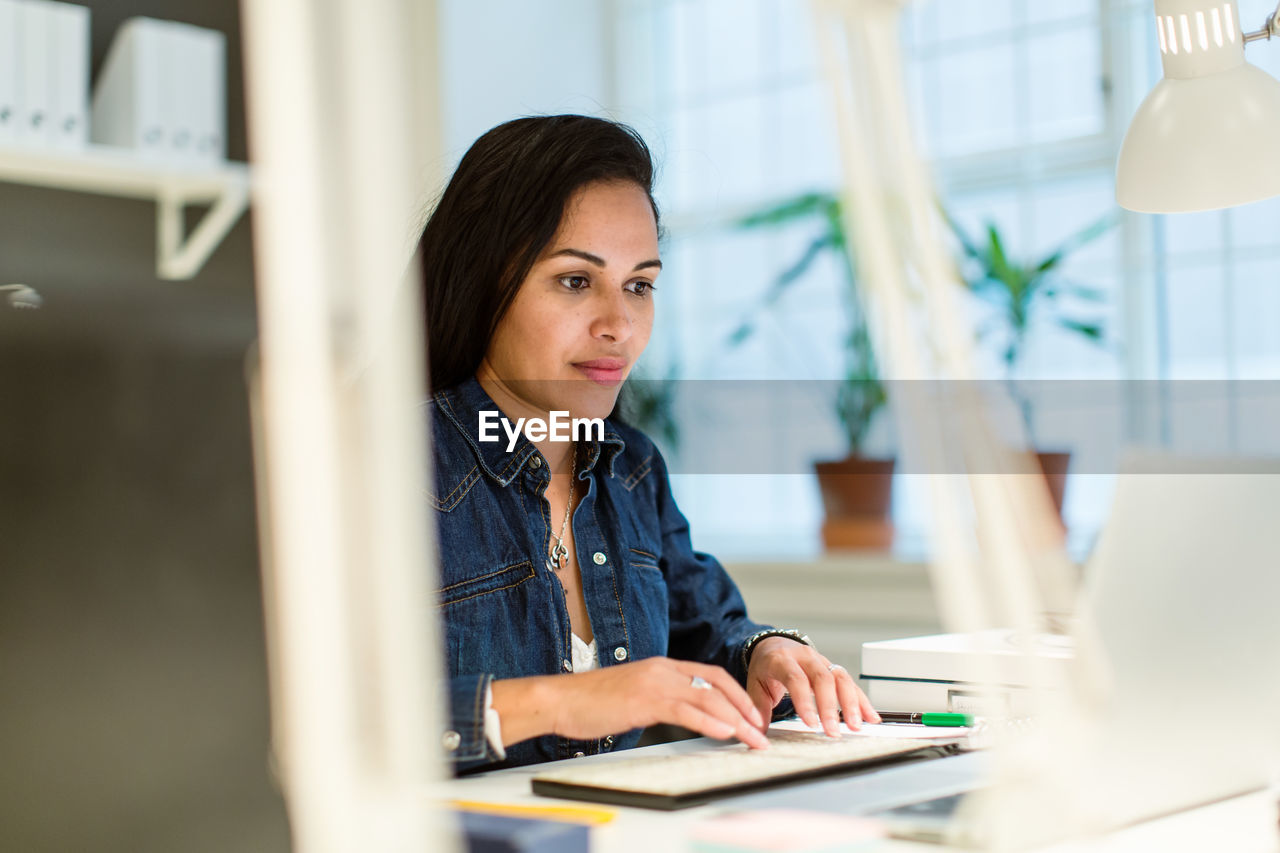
pixel 504 613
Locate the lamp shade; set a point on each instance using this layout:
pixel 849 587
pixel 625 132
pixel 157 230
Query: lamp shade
pixel 1206 136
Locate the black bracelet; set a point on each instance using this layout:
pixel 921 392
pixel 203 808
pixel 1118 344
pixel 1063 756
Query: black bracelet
pixel 789 633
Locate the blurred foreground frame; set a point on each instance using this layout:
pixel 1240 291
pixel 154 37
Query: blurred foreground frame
pixel 344 133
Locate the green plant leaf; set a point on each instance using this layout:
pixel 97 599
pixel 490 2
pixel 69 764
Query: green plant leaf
pixel 999 268
pixel 745 330
pixel 1091 294
pixel 1085 235
pixel 1092 331
pixel 861 394
pixel 799 207
pixel 792 273
pixel 1050 262
pixel 966 243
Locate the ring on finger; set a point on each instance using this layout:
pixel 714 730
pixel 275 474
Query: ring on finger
pixel 700 683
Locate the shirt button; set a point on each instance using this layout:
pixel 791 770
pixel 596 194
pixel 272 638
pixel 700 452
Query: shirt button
pixel 535 462
pixel 619 653
pixel 566 665
pixel 451 740
pixel 598 558
pixel 608 741
pixel 579 754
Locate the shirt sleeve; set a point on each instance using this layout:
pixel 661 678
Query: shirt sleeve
pixel 467 742
pixel 708 616
pixel 493 725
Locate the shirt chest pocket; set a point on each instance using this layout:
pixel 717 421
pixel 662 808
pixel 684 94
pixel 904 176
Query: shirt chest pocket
pixel 507 577
pixel 647 603
pixel 487 628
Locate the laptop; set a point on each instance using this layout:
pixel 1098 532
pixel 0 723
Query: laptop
pixel 1183 592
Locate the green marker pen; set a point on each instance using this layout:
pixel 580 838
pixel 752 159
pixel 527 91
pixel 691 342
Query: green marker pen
pixel 926 718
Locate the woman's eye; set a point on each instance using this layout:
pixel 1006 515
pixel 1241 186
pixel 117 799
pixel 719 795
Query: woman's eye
pixel 574 282
pixel 641 288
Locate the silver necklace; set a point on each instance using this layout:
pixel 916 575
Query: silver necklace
pixel 559 553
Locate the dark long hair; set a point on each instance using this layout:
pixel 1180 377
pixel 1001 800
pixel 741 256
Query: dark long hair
pixel 501 208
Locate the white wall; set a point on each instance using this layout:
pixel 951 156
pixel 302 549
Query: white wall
pixel 501 59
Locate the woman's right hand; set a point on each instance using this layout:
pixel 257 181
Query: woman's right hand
pixel 654 690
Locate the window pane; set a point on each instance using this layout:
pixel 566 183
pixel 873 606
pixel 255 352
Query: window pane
pixel 807 156
pixel 686 24
pixel 789 40
pixel 974 107
pixel 1065 85
pixel 966 19
pixel 638 81
pixel 1041 12
pixel 1197 323
pixel 1193 233
pixel 1256 225
pixel 1061 210
pixel 734 142
pixel 686 172
pixel 734 45
pixel 1256 318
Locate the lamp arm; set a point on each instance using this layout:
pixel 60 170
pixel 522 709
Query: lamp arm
pixel 1270 29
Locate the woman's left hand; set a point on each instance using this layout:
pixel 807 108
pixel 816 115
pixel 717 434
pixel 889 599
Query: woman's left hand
pixel 819 689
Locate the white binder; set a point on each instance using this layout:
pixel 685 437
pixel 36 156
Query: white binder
pixel 162 91
pixel 36 61
pixel 69 75
pixel 10 70
pixel 205 90
pixel 132 91
pixel 176 101
pixel 195 61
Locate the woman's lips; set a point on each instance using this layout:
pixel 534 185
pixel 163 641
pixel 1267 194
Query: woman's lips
pixel 603 371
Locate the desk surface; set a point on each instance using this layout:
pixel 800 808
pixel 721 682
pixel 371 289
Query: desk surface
pixel 1240 825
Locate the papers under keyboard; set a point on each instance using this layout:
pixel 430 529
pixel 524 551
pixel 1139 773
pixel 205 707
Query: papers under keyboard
pixel 690 778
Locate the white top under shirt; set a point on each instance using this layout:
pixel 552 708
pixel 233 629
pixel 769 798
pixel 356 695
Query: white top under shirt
pixel 584 660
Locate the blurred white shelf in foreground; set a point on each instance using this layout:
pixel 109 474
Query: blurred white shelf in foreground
pixel 119 172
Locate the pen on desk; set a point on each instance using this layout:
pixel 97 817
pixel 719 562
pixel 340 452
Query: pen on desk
pixel 926 718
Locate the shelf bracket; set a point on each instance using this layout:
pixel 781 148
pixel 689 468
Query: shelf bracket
pixel 179 256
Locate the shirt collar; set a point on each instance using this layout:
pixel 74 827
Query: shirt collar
pixel 462 405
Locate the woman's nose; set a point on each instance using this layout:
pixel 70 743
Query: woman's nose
pixel 613 318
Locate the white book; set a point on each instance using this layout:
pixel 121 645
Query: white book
pixel 10 70
pixel 197 67
pixel 34 42
pixel 69 112
pixel 132 91
pixel 176 103
pixel 208 105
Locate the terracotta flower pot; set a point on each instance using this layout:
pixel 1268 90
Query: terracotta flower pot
pixel 1054 464
pixel 857 493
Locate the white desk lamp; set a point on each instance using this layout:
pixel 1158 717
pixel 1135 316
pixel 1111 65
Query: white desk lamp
pixel 1205 136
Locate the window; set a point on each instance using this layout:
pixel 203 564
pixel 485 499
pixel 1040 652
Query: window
pixel 1021 106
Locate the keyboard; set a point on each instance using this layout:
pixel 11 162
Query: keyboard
pixel 691 778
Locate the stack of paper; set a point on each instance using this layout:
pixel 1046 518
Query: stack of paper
pixel 162 92
pixel 44 73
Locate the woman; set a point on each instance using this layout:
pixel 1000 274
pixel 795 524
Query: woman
pixel 576 611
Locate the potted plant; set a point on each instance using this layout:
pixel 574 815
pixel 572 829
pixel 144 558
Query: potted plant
pixel 856 490
pixel 1022 292
pixel 649 404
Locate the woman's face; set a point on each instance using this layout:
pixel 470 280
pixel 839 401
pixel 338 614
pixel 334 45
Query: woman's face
pixel 583 315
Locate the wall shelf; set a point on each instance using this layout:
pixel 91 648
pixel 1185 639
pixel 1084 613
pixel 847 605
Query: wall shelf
pixel 119 172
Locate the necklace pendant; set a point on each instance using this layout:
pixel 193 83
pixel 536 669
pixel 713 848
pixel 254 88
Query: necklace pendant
pixel 560 555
